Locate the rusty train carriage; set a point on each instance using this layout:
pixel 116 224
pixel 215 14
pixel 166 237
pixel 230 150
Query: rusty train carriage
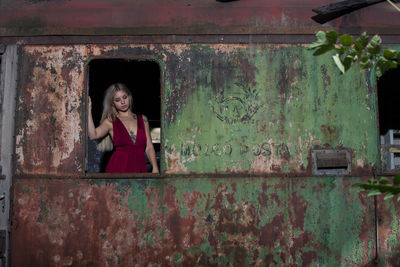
pixel 247 116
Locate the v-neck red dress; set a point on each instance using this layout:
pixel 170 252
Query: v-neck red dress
pixel 128 156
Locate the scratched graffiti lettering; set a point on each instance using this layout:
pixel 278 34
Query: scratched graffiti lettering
pixel 262 149
pixel 239 108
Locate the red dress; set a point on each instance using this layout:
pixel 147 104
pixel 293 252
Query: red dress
pixel 128 156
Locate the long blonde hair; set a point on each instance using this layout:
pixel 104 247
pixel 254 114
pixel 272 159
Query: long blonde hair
pixel 110 112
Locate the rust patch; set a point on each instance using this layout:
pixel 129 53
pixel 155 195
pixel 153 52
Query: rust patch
pixel 331 133
pixel 51 142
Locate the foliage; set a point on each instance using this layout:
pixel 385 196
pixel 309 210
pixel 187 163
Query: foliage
pixel 381 186
pixel 367 52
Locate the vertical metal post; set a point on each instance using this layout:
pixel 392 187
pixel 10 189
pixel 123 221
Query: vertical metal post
pixel 376 260
pixel 8 88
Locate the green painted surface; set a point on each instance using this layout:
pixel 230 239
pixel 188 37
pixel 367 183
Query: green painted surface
pixel 261 109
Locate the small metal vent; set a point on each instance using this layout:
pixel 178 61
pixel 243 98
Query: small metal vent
pixel 330 162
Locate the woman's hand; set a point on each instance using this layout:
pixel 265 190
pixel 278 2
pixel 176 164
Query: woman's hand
pixel 101 131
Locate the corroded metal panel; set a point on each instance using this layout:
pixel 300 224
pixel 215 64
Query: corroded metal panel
pixel 50 114
pixel 125 17
pixel 388 231
pixel 192 222
pixel 227 108
pixel 262 109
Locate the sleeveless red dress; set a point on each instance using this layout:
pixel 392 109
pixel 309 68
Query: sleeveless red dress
pixel 128 156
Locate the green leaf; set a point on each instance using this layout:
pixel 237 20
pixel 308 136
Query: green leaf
pixel 388 196
pixel 358 46
pixel 321 39
pixel 353 53
pixel 346 40
pixel 361 41
pixel 372 181
pixel 365 62
pixel 341 50
pixel 314 45
pixel 378 71
pixel 347 62
pixel 374 193
pixel 374 45
pixel 331 36
pixel 393 64
pixel 383 180
pixel 323 49
pixel 339 63
pixel 396 178
pixel 366 65
pixel 383 65
pixel 358 187
pixel 398 56
pixel 389 54
pixel 364 59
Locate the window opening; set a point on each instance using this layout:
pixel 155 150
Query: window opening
pixel 142 77
pixel 389 118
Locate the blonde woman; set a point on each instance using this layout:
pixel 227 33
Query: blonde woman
pixel 123 130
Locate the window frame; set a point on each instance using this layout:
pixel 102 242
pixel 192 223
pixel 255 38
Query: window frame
pixel 86 95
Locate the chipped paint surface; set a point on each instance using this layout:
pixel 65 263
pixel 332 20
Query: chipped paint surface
pixel 126 17
pixel 227 108
pixel 389 231
pixel 50 106
pixel 182 222
pixel 261 109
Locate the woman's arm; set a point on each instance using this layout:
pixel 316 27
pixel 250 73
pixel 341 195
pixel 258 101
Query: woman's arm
pixel 102 130
pixel 150 152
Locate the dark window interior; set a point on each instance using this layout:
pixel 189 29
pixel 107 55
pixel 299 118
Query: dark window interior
pixel 142 77
pixel 388 101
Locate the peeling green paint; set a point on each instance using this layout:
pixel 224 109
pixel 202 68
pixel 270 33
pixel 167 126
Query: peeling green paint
pixel 269 105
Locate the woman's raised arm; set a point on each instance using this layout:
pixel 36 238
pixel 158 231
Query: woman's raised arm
pixel 102 130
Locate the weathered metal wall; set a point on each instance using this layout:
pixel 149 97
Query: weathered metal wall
pixel 192 222
pixel 126 17
pixel 226 108
pixel 241 119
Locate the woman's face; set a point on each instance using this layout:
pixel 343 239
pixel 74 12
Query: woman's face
pixel 121 101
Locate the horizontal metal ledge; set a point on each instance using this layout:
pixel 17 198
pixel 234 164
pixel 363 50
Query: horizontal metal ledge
pixel 169 39
pixel 162 39
pixel 133 176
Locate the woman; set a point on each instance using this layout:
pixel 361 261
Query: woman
pixel 127 132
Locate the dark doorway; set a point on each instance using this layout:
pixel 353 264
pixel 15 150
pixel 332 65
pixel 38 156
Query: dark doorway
pixel 142 77
pixel 388 101
pixel 389 117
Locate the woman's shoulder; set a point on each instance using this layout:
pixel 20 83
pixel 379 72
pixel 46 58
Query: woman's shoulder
pixel 108 122
pixel 136 116
pixel 144 118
